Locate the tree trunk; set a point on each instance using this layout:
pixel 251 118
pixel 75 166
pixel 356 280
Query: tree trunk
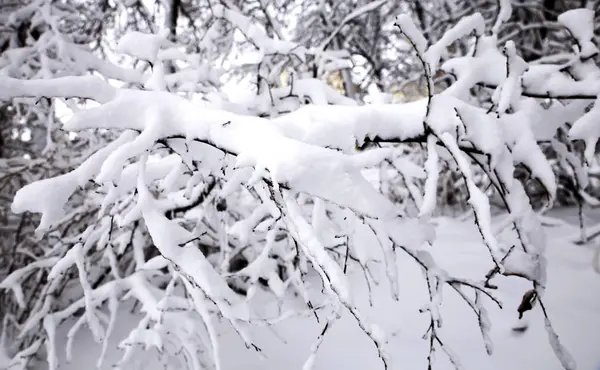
pixel 346 72
pixel 171 16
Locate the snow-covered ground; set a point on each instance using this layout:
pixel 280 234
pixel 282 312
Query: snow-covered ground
pixel 572 299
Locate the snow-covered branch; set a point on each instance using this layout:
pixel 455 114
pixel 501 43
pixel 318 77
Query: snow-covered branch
pixel 196 202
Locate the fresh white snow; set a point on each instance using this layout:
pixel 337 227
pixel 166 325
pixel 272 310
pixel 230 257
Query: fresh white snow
pixel 298 161
pixel 570 297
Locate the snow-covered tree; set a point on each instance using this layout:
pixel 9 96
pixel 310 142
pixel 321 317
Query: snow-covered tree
pixel 198 204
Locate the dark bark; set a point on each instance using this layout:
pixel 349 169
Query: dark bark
pixel 171 16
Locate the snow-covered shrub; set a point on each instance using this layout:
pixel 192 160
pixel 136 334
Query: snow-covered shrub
pixel 194 199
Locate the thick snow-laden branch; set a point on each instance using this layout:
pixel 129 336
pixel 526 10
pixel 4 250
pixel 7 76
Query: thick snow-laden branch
pixel 286 147
pixel 503 16
pixel 345 127
pixel 488 67
pixel 471 24
pixel 60 188
pixel 580 23
pixel 257 142
pixel 88 87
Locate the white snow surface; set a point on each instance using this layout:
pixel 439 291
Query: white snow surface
pixel 580 23
pixel 572 306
